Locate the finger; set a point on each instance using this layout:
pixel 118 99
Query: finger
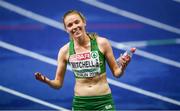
pixel 121 55
pixel 122 60
pixel 127 58
pixel 123 65
pixel 39 76
pixel 37 73
pixel 42 78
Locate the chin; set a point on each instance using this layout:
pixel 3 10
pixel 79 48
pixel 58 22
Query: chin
pixel 78 36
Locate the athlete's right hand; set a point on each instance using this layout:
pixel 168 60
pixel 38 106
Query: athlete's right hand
pixel 41 77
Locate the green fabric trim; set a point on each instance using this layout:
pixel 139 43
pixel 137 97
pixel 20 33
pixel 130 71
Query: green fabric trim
pixel 71 48
pixel 94 47
pixel 102 102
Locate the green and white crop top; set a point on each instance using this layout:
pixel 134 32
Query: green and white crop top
pixel 87 64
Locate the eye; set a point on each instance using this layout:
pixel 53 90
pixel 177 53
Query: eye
pixel 77 21
pixel 69 25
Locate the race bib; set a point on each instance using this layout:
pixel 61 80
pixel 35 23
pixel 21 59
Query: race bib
pixel 85 64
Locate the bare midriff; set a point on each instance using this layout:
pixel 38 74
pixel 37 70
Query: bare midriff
pixel 93 86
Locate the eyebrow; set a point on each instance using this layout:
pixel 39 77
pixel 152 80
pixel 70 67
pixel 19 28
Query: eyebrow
pixel 76 20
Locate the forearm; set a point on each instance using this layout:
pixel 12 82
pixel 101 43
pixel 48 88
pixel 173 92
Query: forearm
pixel 54 84
pixel 124 60
pixel 119 68
pixel 118 72
pixel 118 62
pixel 116 67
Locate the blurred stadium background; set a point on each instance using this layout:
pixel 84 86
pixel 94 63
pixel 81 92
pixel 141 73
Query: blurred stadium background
pixel 31 33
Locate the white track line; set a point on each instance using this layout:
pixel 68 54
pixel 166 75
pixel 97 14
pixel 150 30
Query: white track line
pixel 59 25
pixel 32 55
pixel 51 23
pixel 31 15
pixel 177 1
pixel 29 53
pixel 144 92
pixel 36 100
pixel 148 55
pixel 111 81
pixel 151 42
pixel 131 15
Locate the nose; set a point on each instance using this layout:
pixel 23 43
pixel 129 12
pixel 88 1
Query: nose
pixel 74 26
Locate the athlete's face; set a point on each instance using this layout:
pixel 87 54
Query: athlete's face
pixel 74 25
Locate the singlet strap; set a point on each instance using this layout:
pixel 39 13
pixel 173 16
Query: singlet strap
pixel 71 48
pixel 94 47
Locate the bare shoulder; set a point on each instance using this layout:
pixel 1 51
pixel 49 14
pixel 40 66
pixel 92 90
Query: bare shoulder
pixel 64 51
pixel 65 48
pixel 102 41
pixel 103 44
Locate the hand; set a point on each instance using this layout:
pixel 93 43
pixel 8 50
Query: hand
pixel 41 77
pixel 124 61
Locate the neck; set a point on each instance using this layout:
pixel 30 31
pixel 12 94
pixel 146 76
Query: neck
pixel 82 41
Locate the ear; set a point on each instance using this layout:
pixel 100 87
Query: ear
pixel 84 23
pixel 67 31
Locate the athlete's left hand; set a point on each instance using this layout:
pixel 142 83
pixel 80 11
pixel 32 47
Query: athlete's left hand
pixel 124 60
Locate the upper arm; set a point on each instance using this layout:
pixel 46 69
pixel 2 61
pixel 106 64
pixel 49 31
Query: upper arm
pixel 106 49
pixel 62 63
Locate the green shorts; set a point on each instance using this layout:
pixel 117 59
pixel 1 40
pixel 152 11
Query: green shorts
pixel 104 102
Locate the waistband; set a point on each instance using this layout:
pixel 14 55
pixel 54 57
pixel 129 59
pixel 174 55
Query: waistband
pixel 93 98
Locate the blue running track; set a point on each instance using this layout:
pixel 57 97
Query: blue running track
pixel 31 34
